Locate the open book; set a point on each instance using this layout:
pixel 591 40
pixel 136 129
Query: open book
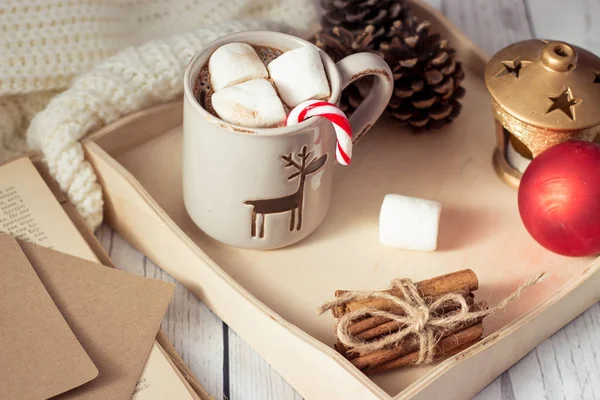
pixel 29 211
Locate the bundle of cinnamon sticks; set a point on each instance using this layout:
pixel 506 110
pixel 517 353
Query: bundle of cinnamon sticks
pixel 449 341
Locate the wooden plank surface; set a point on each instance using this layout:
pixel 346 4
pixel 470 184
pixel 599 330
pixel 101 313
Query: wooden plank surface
pixel 490 24
pixel 575 21
pixel 566 366
pixel 250 377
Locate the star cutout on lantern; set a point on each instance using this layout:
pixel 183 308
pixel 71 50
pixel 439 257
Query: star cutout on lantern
pixel 565 103
pixel 513 67
pixel 597 77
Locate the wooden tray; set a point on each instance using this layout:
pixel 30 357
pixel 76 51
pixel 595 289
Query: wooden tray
pixel 270 298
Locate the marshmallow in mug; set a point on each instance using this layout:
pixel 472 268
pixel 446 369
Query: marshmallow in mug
pixel 409 223
pixel 299 75
pixel 234 63
pixel 253 104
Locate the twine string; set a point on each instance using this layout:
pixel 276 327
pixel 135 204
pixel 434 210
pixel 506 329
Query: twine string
pixel 421 319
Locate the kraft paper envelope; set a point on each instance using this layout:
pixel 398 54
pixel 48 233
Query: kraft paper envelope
pixel 114 314
pixel 40 357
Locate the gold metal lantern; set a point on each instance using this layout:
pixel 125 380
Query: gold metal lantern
pixel 543 93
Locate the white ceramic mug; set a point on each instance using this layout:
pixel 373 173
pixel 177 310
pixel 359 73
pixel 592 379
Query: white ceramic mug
pixel 269 188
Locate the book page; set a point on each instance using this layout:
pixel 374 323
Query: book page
pixel 154 384
pixel 30 212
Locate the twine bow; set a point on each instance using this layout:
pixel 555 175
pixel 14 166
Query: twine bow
pixel 421 319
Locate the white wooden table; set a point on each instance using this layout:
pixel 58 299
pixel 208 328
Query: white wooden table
pixel 566 366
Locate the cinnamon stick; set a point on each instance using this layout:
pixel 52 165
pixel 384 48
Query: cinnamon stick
pixel 463 281
pixel 389 327
pixel 408 345
pixel 446 346
pixel 343 350
pixel 373 327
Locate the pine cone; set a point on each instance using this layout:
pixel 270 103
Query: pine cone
pixel 427 76
pixel 339 43
pixel 355 15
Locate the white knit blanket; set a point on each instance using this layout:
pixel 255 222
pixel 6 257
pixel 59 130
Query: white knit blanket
pixel 63 73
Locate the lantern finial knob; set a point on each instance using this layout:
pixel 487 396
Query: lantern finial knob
pixel 559 56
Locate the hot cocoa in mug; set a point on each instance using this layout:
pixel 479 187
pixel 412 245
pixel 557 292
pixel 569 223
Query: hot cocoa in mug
pixel 203 90
pixel 268 187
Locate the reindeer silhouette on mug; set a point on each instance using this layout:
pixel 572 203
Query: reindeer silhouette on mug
pixel 293 202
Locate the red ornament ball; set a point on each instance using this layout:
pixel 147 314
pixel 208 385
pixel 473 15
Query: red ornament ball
pixel 559 198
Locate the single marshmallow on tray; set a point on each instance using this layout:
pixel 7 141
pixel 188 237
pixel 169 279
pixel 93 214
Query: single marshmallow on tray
pixel 409 223
pixel 234 63
pixel 299 75
pixel 253 104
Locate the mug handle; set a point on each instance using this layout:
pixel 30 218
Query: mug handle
pixel 357 66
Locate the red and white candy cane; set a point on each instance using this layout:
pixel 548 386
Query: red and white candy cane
pixel 343 131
